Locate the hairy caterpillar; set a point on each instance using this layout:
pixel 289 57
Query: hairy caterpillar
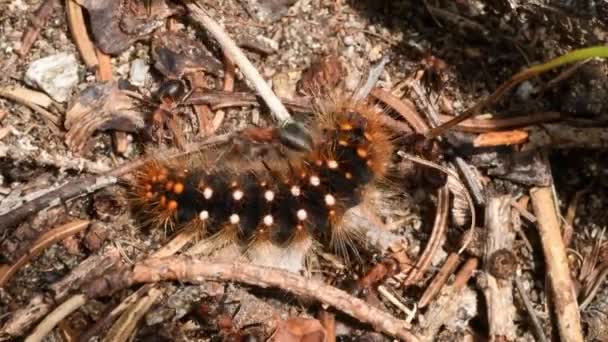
pixel 270 205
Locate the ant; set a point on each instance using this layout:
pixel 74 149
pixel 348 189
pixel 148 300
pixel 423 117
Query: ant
pixel 217 319
pixel 167 98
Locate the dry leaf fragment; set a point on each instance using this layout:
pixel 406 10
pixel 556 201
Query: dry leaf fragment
pixel 100 107
pixel 299 329
pixel 176 54
pixel 116 25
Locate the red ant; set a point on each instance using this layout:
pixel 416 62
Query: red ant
pixel 218 320
pixel 169 96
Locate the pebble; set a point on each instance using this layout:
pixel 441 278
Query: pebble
pixel 56 75
pixel 138 75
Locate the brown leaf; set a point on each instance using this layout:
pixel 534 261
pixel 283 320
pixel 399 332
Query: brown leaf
pixel 100 107
pixel 299 329
pixel 324 74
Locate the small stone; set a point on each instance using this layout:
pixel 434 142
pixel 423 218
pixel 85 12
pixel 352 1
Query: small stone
pixel 267 11
pixel 56 75
pixel 138 75
pixel 375 53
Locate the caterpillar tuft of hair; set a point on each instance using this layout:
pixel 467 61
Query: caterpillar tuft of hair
pixel 269 205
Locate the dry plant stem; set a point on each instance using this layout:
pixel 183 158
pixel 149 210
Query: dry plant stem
pixel 499 292
pixel 51 320
pixel 439 229
pixel 233 52
pixel 444 308
pixel 558 273
pixel 218 99
pixel 38 20
pixel 404 107
pixel 22 96
pixel 55 197
pixel 570 215
pixel 79 33
pixel 90 268
pixel 490 125
pixel 114 313
pixel 439 280
pixel 23 318
pixel 538 328
pixel 48 238
pixel 43 158
pixel 127 323
pixel 197 270
pixel 124 324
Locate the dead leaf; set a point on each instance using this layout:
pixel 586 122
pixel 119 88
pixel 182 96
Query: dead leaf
pixel 116 25
pixel 299 329
pixel 100 107
pixel 176 54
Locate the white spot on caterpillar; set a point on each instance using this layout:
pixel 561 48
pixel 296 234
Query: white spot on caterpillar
pixel 269 195
pixel 330 200
pixel 332 164
pixel 268 220
pixel 315 181
pixel 237 195
pixel 204 215
pixel 207 193
pixel 234 218
pixel 295 190
pixel 302 215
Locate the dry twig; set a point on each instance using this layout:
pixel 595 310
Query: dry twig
pixel 238 57
pixel 558 273
pixel 540 334
pixel 196 270
pixel 496 282
pixel 51 320
pixel 78 30
pixel 50 237
pixel 38 20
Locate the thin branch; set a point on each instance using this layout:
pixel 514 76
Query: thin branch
pixel 51 320
pixel 538 328
pixel 558 273
pixel 50 237
pixel 189 269
pixel 238 57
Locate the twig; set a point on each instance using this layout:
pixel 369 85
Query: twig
pixel 38 20
pixel 27 97
pixel 79 33
pixel 454 175
pixel 23 318
pixel 439 228
pixel 372 78
pixel 384 292
pixel 440 279
pixel 40 244
pixel 558 273
pixel 196 270
pixel 404 107
pixel 444 309
pixel 238 57
pixel 496 282
pixel 51 320
pixel 538 329
pixel 121 331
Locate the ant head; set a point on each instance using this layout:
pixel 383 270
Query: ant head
pixel 171 89
pixel 295 136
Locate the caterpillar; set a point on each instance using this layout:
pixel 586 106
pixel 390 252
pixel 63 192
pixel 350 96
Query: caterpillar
pixel 271 205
